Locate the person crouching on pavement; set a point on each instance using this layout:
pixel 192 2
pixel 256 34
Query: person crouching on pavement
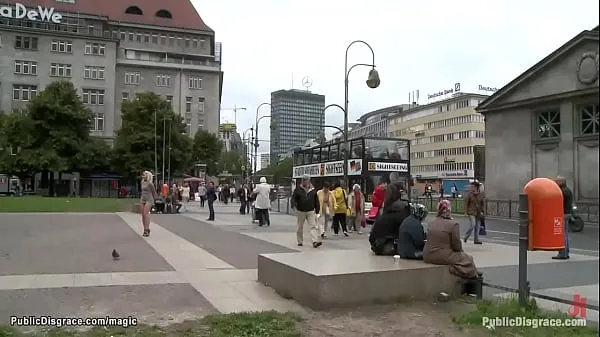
pixel 306 203
pixel 263 203
pixel 443 247
pixel 396 207
pixel 326 208
pixel 356 203
pixel 411 235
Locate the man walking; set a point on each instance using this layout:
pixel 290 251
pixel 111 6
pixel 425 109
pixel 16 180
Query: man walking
pixel 211 196
pixel 244 196
pixel 568 210
pixel 474 205
pixel 263 203
pixel 306 203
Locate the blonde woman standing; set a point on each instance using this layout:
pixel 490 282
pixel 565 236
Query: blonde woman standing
pixel 149 196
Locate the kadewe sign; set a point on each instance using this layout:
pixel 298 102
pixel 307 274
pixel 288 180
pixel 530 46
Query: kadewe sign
pixel 19 11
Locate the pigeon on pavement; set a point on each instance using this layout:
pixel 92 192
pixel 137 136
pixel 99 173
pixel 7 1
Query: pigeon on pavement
pixel 115 255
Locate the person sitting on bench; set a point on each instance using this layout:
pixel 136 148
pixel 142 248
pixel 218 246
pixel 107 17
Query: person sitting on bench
pixel 396 208
pixel 411 235
pixel 444 247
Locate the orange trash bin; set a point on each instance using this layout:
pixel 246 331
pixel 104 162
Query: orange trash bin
pixel 546 215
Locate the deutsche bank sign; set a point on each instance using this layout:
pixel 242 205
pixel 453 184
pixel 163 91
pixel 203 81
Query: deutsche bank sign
pixel 19 11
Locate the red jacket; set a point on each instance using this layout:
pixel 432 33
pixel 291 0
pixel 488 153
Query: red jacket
pixel 378 196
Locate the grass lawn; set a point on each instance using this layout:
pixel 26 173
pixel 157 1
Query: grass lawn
pixel 263 324
pixel 510 308
pixel 45 204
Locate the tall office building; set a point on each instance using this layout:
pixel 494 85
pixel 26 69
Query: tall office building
pixel 265 160
pixel 444 137
pixel 111 50
pixel 296 116
pixel 230 138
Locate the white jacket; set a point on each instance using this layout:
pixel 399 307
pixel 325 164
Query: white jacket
pixel 262 192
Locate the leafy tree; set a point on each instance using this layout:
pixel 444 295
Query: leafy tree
pixel 232 162
pixel 281 171
pixel 207 149
pixel 148 122
pixel 321 139
pixel 95 155
pixel 16 156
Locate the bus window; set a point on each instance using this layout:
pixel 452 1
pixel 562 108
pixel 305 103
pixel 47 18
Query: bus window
pixel 334 153
pixel 307 157
pixel 316 155
pixel 325 153
pixel 356 148
pixel 298 159
pixel 386 149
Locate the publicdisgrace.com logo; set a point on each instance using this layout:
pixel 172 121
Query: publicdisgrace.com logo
pixel 508 322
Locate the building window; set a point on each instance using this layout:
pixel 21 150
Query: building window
pixel 26 42
pixel 61 46
pixel 188 104
pixel 26 67
pixel 98 122
pixel 548 124
pixel 93 96
pixel 163 80
pixel 124 96
pixel 60 70
pixel 24 92
pixel 169 100
pixel 195 82
pixel 201 105
pixel 93 73
pixel 133 78
pixel 588 119
pixel 98 49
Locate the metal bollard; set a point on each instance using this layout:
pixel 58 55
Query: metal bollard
pixel 523 248
pixel 479 287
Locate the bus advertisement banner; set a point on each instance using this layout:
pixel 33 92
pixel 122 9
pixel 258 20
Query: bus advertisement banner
pixel 388 167
pixel 328 169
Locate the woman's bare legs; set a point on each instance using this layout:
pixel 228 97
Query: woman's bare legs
pixel 143 214
pixel 146 220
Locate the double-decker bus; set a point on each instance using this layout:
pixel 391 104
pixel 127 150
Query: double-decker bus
pixel 371 159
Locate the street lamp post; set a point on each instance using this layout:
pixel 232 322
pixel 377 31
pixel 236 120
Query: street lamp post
pixel 373 82
pixel 344 133
pixel 255 136
pixel 247 148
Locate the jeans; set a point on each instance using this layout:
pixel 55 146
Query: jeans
pixel 242 206
pixel 474 226
pixel 565 252
pixel 339 219
pixel 211 209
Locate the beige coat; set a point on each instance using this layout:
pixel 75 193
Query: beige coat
pixel 443 247
pixel 475 203
pixel 351 203
pixel 322 198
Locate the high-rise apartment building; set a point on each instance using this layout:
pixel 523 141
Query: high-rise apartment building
pixel 296 116
pixel 110 51
pixel 230 138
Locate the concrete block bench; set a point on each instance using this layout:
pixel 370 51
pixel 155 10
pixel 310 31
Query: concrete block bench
pixel 339 278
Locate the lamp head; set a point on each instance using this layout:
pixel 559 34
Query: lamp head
pixel 373 80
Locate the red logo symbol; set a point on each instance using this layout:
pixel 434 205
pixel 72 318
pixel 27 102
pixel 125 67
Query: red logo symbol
pixel 578 309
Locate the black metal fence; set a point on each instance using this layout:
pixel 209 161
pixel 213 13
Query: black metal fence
pixel 505 209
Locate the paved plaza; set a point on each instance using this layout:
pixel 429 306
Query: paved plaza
pixel 61 264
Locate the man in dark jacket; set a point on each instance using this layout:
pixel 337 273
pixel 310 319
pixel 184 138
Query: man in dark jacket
pixel 411 235
pixel 568 210
pixel 211 196
pixel 306 203
pixel 396 208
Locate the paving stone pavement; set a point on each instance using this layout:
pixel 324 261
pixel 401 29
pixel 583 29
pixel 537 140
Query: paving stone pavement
pixel 60 264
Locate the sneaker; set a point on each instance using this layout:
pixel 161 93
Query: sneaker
pixel 359 232
pixel 322 235
pixel 317 244
pixel 478 242
pixel 560 257
pixel 345 233
pixel 336 234
pixel 300 245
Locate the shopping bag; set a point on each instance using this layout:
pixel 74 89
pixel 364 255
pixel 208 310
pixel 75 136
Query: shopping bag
pixel 373 212
pixel 482 230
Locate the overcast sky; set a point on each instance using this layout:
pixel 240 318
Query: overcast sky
pixel 427 45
